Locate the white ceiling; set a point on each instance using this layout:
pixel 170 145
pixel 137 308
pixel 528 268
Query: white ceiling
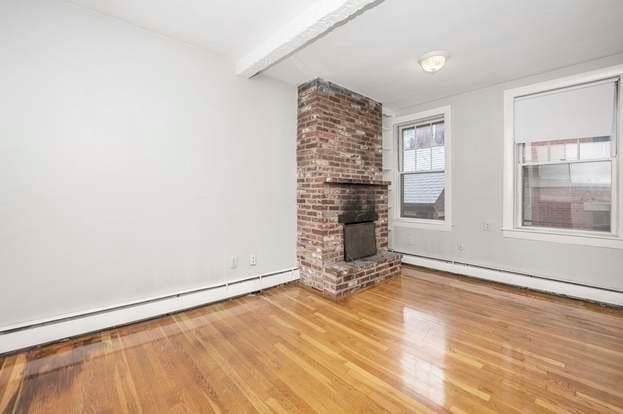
pixel 229 27
pixel 489 41
pixel 376 52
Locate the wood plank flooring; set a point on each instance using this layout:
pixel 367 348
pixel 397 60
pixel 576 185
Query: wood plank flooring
pixel 423 342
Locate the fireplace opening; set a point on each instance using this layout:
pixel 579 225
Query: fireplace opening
pixel 359 240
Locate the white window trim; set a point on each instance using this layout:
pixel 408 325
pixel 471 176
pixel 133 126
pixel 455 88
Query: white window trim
pixel 398 220
pixel 511 228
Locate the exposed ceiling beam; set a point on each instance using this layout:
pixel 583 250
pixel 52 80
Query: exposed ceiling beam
pixel 322 17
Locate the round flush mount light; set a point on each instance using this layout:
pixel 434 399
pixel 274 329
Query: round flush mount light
pixel 433 61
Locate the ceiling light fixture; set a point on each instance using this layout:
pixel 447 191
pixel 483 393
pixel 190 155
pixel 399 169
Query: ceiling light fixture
pixel 433 61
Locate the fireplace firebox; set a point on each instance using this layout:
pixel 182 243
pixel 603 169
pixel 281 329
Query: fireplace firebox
pixel 359 240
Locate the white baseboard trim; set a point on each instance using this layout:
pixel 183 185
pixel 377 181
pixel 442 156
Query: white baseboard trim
pixel 66 327
pixel 545 285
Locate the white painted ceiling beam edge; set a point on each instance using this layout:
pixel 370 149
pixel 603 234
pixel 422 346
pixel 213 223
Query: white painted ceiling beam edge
pixel 314 22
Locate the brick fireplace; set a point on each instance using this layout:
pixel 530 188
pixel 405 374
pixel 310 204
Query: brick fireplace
pixel 341 195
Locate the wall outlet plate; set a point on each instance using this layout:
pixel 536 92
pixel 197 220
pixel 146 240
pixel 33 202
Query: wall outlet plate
pixel 252 260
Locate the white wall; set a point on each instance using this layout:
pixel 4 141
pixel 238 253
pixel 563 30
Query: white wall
pixel 132 165
pixel 477 158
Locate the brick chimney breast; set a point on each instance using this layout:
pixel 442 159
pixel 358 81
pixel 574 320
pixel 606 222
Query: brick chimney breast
pixel 340 175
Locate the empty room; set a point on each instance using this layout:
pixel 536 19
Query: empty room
pixel 311 206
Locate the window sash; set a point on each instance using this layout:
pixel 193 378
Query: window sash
pixel 519 190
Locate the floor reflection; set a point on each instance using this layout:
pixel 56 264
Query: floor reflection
pixel 425 340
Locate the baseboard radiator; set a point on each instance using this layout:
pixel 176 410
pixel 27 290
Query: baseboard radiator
pixel 17 337
pixel 573 290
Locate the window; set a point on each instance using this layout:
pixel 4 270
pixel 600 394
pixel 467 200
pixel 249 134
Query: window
pixel 561 162
pixel 423 174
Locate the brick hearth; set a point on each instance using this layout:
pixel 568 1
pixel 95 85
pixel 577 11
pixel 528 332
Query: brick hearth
pixel 339 152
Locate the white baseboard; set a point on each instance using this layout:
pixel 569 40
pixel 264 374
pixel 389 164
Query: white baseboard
pixel 66 327
pixel 545 285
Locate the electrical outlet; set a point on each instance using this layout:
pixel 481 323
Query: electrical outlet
pixel 486 226
pixel 252 260
pixel 460 247
pixel 234 262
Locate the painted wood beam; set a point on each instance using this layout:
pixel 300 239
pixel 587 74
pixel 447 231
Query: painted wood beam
pixel 319 19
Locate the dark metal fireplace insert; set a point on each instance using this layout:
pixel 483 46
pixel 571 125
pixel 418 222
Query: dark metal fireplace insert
pixel 359 234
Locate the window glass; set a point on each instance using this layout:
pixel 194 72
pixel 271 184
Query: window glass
pixel 423 195
pixel 408 149
pixel 408 138
pixel 540 153
pixel 557 152
pixel 573 196
pixel 567 150
pixel 438 156
pixel 438 133
pixel 423 136
pixel 423 159
pixel 571 151
pixel 595 148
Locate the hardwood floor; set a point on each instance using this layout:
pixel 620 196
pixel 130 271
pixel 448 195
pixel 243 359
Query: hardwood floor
pixel 423 342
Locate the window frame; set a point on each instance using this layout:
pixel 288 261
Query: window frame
pixel 404 122
pixel 513 195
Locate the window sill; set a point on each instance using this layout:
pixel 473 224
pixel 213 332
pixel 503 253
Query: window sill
pixel 608 241
pixel 422 224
